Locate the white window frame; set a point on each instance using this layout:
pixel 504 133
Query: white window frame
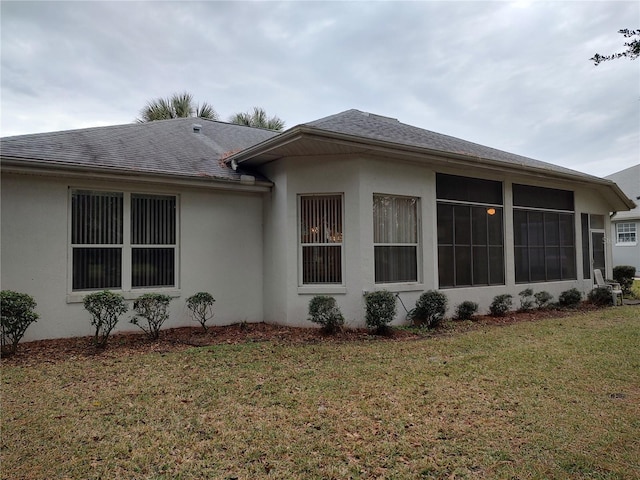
pixel 415 244
pixel 338 287
pixel 126 247
pixel 631 228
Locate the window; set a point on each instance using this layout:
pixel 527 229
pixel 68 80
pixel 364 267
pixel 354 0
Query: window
pixel 122 240
pixel 626 233
pixel 544 238
pixel 470 231
pixel 321 239
pixel 395 238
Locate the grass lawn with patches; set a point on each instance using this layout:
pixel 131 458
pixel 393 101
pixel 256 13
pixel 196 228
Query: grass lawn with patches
pixel 555 398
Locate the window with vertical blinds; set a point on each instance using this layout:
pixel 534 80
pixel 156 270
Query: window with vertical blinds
pixel 321 236
pixel 97 239
pixel 153 239
pixel 109 229
pixel 395 238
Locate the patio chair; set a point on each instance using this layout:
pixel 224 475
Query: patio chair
pixel 613 287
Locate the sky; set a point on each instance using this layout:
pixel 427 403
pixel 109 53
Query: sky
pixel 510 75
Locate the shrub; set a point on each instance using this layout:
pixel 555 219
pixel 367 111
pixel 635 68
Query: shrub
pixel 501 304
pixel 201 307
pixel 543 299
pixel 430 309
pixel 324 311
pixel 16 314
pixel 623 274
pixel 526 300
pixel 466 310
pixel 381 309
pixel 600 296
pixel 105 308
pixel 570 298
pixel 154 308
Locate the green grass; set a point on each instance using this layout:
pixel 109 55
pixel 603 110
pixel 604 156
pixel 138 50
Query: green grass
pixel 553 399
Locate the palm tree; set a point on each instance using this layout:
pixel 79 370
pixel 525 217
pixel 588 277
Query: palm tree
pixel 258 119
pixel 179 105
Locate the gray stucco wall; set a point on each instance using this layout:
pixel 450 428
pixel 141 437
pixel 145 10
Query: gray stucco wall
pixel 220 251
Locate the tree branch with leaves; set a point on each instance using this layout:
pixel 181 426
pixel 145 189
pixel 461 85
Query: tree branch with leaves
pixel 632 52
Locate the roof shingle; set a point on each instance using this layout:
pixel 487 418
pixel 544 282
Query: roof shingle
pixel 376 127
pixel 164 146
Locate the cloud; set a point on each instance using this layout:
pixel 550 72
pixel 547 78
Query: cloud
pixel 514 76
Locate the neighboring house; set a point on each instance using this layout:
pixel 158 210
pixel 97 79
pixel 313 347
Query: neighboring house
pixel 625 226
pixel 340 206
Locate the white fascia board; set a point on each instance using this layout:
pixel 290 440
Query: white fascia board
pixel 40 168
pixel 609 189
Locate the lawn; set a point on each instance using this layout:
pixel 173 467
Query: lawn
pixel 550 399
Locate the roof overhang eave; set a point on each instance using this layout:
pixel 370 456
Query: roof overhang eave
pixel 267 151
pixel 47 168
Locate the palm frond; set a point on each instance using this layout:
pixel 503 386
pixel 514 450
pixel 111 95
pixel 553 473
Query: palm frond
pixel 206 111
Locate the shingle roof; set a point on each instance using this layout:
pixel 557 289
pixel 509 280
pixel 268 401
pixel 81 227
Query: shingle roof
pixel 376 127
pixel 165 146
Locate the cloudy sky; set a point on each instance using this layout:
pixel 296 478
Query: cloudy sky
pixel 511 75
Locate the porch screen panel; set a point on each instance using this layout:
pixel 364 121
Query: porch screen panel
pixel 395 238
pixel 96 239
pixel 470 220
pixel 321 236
pixel 153 239
pixel 544 234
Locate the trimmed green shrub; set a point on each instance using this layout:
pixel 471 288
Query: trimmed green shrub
pixel 623 274
pixel 154 308
pixel 201 307
pixel 526 300
pixel 501 305
pixel 105 309
pixel 324 311
pixel 16 314
pixel 380 310
pixel 466 310
pixel 600 296
pixel 430 309
pixel 570 298
pixel 543 299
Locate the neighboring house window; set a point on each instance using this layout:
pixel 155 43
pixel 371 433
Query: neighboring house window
pixel 470 231
pixel 626 233
pixel 321 239
pixel 395 238
pixel 543 232
pixel 122 240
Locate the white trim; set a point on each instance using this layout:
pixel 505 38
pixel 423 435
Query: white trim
pixel 631 231
pixel 318 289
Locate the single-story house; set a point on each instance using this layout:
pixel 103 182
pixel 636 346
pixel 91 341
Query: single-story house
pixel 625 225
pixel 340 206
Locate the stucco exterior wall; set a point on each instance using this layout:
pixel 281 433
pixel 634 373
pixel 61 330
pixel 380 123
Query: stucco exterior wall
pixel 220 251
pixel 626 253
pixel 359 179
pixel 244 247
